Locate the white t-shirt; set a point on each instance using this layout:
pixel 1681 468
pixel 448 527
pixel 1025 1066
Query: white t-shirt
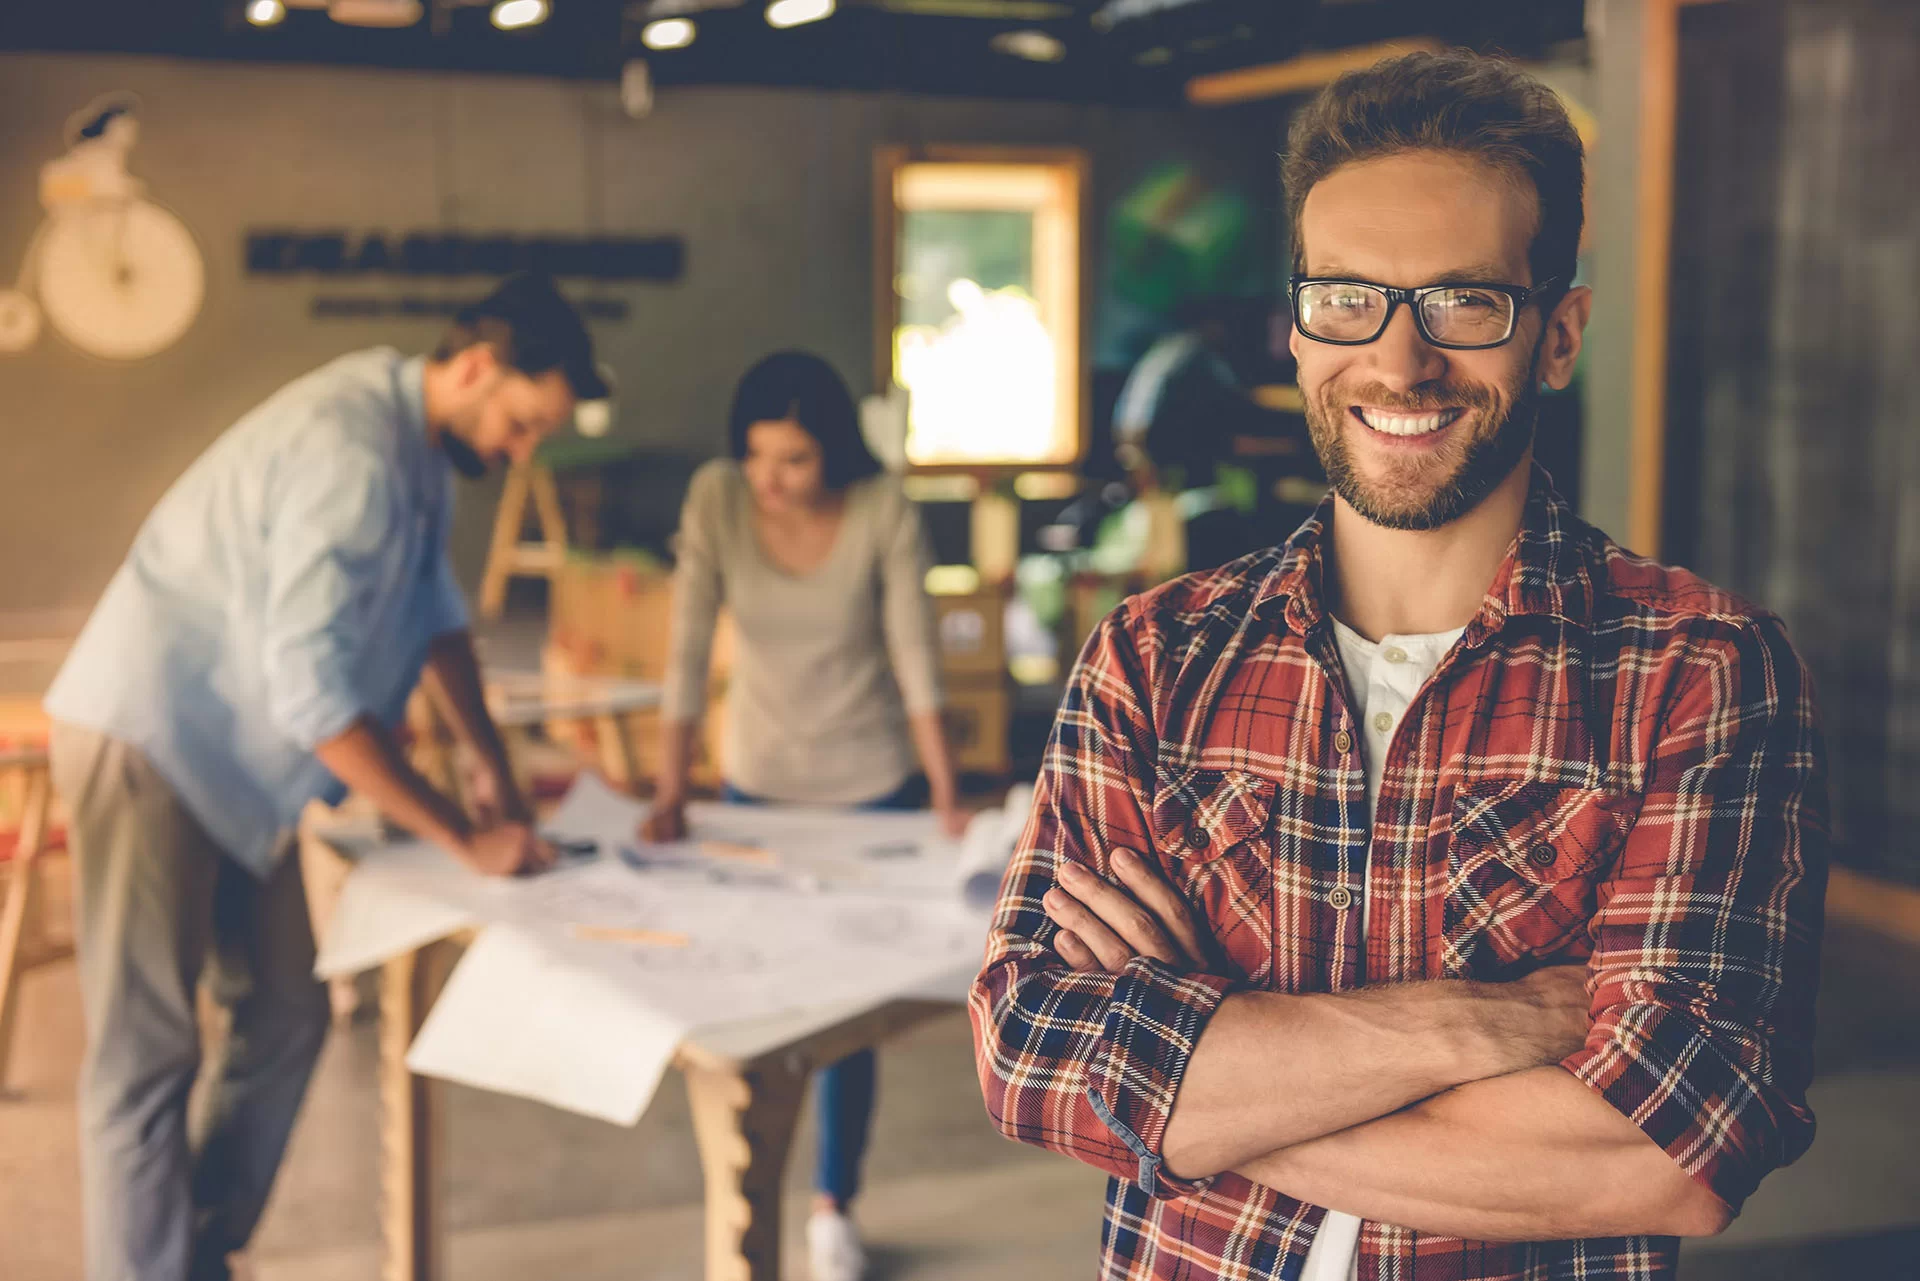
pixel 1384 677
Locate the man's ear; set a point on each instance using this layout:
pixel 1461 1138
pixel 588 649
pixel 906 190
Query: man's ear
pixel 474 365
pixel 1566 330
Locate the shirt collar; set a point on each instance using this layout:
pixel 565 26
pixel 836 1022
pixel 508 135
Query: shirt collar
pixel 1545 572
pixel 410 379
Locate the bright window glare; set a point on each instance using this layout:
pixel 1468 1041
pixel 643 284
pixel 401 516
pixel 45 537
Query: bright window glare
pixel 791 13
pixel 264 13
pixel 668 33
pixel 509 15
pixel 981 384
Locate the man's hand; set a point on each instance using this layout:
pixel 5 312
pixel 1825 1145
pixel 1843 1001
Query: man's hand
pixel 1102 926
pixel 508 849
pixel 496 798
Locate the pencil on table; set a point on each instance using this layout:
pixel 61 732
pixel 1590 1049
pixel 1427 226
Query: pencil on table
pixel 625 934
pixel 734 849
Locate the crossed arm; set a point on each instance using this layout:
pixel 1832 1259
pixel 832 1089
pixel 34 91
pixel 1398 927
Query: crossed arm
pixel 1645 1094
pixel 1421 1104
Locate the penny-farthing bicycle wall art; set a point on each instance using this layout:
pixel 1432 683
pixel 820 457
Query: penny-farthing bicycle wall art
pixel 111 271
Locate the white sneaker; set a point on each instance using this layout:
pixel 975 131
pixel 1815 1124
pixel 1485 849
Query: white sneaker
pixel 834 1252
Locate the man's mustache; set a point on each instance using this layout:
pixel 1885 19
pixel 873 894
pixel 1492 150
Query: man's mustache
pixel 1425 399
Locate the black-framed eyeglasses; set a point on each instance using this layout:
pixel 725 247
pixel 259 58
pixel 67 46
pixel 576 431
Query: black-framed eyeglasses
pixel 1460 317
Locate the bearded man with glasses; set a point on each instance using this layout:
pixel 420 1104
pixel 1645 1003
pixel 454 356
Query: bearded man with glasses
pixel 1437 895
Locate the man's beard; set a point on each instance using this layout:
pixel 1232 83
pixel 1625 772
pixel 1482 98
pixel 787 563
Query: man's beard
pixel 465 459
pixel 1489 460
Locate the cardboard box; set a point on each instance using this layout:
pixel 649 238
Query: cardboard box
pixel 972 633
pixel 979 716
pixel 611 615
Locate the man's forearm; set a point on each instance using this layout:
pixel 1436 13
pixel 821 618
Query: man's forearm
pixel 452 667
pixel 1271 1071
pixel 1534 1156
pixel 367 760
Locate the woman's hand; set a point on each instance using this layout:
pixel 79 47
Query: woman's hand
pixel 953 819
pixel 666 821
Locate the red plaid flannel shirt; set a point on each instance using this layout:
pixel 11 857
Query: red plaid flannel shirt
pixel 1617 763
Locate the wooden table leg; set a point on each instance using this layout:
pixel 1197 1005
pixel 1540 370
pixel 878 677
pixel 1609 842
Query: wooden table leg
pixel 23 880
pixel 616 754
pixel 744 1123
pixel 410 1120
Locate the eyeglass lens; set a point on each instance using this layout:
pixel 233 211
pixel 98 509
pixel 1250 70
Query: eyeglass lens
pixel 1343 311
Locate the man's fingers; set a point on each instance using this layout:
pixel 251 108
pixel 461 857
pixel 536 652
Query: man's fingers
pixel 1121 913
pixel 1158 897
pixel 1069 913
pixel 1075 953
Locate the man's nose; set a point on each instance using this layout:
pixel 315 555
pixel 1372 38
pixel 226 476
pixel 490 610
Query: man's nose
pixel 1401 357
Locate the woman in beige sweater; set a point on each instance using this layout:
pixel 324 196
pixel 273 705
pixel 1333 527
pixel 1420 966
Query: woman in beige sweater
pixel 821 561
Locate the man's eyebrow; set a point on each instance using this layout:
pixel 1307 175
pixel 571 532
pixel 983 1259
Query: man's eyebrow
pixel 1474 273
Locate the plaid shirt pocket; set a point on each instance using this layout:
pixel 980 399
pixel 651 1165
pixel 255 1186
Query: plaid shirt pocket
pixel 1212 831
pixel 1200 814
pixel 1523 860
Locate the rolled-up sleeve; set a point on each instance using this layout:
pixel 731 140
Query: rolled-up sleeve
pixel 332 531
pixel 1086 1064
pixel 1706 938
pixel 906 609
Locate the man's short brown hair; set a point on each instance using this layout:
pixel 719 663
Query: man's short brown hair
pixel 1464 104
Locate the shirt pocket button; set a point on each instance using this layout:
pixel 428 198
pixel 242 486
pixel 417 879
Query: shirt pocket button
pixel 1196 838
pixel 1541 856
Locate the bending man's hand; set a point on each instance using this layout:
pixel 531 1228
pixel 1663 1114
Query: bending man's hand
pixel 507 849
pixel 496 797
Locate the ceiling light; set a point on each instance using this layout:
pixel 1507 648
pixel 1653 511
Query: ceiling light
pixel 668 33
pixel 1034 46
pixel 265 13
pixel 517 15
pixel 792 13
pixel 375 13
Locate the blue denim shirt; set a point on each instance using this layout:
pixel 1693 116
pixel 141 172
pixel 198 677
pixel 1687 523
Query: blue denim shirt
pixel 289 582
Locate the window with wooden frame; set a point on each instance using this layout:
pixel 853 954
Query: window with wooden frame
pixel 979 301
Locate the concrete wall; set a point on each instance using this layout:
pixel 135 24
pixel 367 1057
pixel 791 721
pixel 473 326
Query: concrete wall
pixel 771 190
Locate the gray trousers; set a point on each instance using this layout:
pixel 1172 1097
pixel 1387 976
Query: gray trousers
pixel 166 1197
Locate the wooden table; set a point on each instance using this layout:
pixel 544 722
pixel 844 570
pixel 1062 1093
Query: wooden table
pixel 746 1082
pixel 20 918
pixel 519 701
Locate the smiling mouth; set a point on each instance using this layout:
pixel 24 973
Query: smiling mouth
pixel 1405 425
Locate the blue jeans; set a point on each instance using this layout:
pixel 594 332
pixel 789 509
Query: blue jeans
pixel 843 1091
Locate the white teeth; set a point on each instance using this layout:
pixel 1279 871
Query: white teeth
pixel 1405 424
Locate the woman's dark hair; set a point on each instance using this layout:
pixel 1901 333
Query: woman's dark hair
pixel 801 386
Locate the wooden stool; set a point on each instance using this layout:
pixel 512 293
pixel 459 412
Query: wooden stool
pixel 25 768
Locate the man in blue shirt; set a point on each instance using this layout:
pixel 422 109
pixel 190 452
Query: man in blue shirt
pixel 255 652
